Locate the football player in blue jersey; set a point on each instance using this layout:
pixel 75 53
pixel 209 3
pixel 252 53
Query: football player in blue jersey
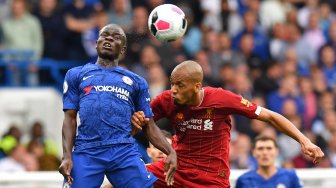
pixel 265 150
pixel 105 96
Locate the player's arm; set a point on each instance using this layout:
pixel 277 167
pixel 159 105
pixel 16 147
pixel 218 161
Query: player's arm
pixel 68 137
pixel 287 127
pixel 155 136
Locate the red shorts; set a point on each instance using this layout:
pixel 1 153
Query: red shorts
pixel 187 178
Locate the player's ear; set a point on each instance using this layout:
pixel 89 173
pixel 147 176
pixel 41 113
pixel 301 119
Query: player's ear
pixel 149 152
pixel 123 50
pixel 198 86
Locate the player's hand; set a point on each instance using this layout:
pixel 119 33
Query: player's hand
pixel 313 151
pixel 138 121
pixel 170 168
pixel 65 169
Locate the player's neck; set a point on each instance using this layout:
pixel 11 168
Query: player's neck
pixel 267 172
pixel 199 98
pixel 107 63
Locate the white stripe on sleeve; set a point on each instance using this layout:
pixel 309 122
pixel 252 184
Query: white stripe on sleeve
pixel 258 110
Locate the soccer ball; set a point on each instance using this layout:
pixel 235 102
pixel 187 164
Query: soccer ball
pixel 167 22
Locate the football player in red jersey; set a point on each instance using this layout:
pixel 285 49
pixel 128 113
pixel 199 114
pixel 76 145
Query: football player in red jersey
pixel 200 117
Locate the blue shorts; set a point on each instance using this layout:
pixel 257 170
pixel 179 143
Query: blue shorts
pixel 122 165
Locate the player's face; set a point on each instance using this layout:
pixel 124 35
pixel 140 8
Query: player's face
pixel 265 152
pixel 183 89
pixel 111 42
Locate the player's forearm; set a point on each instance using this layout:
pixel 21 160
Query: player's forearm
pixel 68 136
pixel 155 136
pixel 287 127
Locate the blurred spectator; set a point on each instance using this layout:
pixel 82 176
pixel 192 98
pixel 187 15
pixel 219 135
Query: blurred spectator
pixel 304 12
pixel 304 51
pixel 7 144
pixel 328 66
pixel 37 135
pixel 291 16
pixel 90 36
pixel 278 37
pixel 45 161
pixel 202 58
pixel 211 19
pixel 148 57
pixel 318 81
pixel 226 54
pixel 231 20
pixel 22 31
pixel 325 125
pixel 242 158
pixel 332 35
pixel 293 65
pixel 268 80
pixel 310 102
pixel 272 12
pixel 4 9
pixel 78 19
pixel 192 40
pixel 15 132
pixel 288 90
pixel 332 149
pixel 120 13
pixel 326 18
pixel 30 163
pixel 226 75
pixel 54 31
pixel 314 34
pixel 137 35
pixel 157 80
pixel 14 161
pixel 260 44
pixel 249 57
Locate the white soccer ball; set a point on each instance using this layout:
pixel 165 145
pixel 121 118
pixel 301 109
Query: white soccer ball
pixel 167 22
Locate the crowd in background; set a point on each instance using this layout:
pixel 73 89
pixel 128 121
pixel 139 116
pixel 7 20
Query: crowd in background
pixel 280 54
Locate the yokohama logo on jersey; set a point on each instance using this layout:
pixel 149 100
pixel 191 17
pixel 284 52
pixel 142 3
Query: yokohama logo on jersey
pixel 121 92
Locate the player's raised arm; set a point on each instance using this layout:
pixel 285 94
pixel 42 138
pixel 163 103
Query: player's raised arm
pixel 155 136
pixel 68 138
pixel 287 127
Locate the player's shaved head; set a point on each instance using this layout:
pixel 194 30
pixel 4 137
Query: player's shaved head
pixel 190 69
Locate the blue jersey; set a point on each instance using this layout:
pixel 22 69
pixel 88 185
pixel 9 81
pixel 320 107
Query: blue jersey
pixel 106 99
pixel 283 178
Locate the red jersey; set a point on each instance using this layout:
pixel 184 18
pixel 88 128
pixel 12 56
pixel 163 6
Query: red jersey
pixel 202 133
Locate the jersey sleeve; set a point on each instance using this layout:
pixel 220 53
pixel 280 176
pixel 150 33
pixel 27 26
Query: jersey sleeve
pixel 296 182
pixel 142 101
pixel 236 104
pixel 239 183
pixel 71 91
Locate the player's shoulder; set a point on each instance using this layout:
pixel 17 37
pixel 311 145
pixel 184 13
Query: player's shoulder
pixel 81 68
pixel 286 172
pixel 125 72
pixel 248 174
pixel 217 92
